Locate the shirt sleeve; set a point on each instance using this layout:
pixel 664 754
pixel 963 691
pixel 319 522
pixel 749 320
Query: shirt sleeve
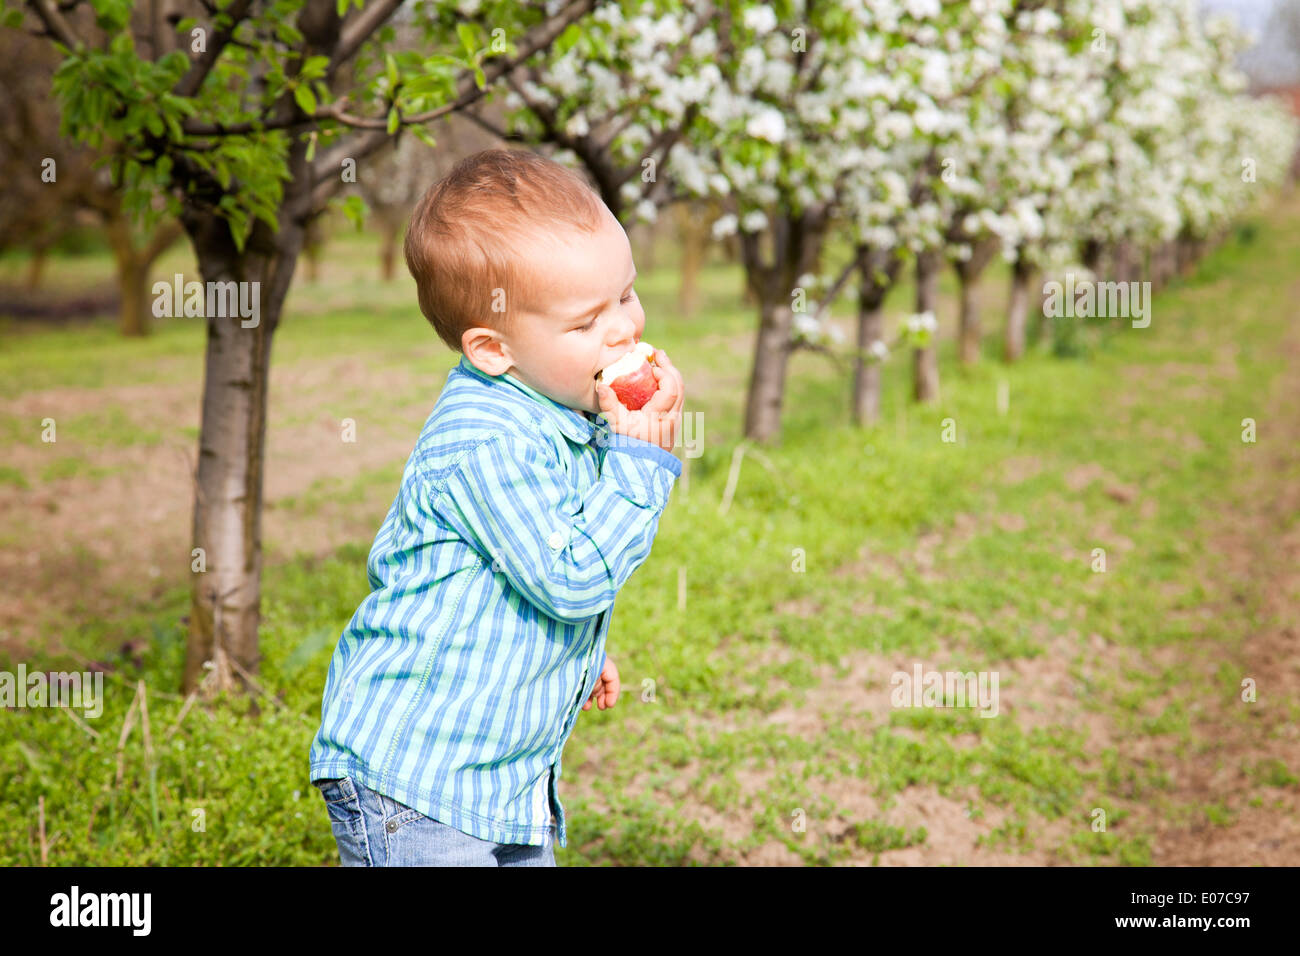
pixel 566 553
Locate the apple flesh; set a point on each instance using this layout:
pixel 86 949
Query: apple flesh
pixel 631 378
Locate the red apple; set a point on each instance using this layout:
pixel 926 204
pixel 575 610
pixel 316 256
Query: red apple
pixel 631 378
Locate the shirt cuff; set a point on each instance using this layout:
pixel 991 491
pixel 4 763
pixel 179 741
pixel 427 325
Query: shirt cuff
pixel 644 449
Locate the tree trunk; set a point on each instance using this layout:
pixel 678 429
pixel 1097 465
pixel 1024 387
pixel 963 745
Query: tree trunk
pixel 1022 273
pixel 36 267
pixel 226 591
pixel 795 243
pixel 313 243
pixel 133 267
pixel 925 362
pixel 131 275
pixel 865 408
pixel 388 230
pixel 968 272
pixel 1162 264
pixel 767 379
pixel 1093 255
pixel 133 286
pixel 693 234
pixel 1190 252
pixel 1123 266
pixel 1150 258
pixel 970 317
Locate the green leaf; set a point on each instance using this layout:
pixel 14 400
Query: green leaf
pixel 354 207
pixel 479 78
pixel 423 135
pixel 287 33
pixel 565 41
pixel 468 39
pixel 311 147
pixel 390 68
pixel 305 99
pixel 393 121
pixel 313 68
pixel 122 44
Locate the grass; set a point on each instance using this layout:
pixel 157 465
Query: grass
pixel 699 771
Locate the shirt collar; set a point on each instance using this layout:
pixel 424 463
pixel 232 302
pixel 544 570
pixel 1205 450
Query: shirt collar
pixel 575 425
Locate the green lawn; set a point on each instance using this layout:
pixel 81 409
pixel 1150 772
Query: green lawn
pixel 755 647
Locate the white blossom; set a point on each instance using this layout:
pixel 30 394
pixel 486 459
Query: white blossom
pixel 921 322
pixel 577 126
pixel 768 125
pixel 760 19
pixel 724 226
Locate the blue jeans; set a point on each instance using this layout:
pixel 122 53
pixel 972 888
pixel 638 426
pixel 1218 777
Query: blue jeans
pixel 374 830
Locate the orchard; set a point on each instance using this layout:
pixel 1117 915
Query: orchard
pixel 981 309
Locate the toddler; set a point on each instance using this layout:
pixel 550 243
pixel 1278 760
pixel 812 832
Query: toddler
pixel 531 496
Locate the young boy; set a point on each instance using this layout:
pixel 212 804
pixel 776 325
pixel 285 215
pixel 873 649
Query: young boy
pixel 459 678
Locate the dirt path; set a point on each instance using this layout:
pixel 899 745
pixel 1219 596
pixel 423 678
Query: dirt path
pixel 1232 798
pixel 1225 807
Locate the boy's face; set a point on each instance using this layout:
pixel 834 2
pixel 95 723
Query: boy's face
pixel 581 318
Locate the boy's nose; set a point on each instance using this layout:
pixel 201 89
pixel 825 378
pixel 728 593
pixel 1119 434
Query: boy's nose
pixel 628 333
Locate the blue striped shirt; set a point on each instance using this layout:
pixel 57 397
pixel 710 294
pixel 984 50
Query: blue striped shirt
pixel 457 682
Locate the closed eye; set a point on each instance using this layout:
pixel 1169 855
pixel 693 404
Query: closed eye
pixel 588 327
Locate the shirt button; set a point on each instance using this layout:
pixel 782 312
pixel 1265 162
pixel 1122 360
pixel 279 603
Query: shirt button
pixel 556 540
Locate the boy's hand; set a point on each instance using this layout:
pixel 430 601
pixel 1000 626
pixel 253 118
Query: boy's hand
pixel 655 422
pixel 606 690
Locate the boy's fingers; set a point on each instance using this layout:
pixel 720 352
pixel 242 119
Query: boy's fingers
pixel 610 406
pixel 669 388
pixel 681 391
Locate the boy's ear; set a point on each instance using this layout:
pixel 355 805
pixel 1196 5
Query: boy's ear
pixel 486 351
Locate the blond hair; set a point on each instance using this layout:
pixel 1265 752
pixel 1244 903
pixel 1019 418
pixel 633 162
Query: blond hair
pixel 467 242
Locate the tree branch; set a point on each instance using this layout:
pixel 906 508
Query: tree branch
pixel 325 168
pixel 189 84
pixel 833 293
pixel 358 30
pixel 498 132
pixel 55 23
